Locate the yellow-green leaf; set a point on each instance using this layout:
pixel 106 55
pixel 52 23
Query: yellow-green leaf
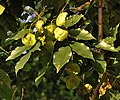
pixel 1 9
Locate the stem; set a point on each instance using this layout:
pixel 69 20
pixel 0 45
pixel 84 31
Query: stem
pixel 100 33
pixel 100 37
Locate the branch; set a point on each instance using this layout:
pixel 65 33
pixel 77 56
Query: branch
pixel 95 91
pixel 82 6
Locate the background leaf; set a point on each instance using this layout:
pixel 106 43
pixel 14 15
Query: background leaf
pixel 5 85
pixel 82 50
pixel 61 57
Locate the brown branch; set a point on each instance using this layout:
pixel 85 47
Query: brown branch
pixel 95 91
pixel 100 33
pixel 22 94
pixel 77 9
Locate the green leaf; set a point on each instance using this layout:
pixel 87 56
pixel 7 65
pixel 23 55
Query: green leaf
pixel 40 75
pixel 81 34
pixel 82 50
pixel 100 66
pixel 72 20
pixel 1 9
pixel 114 31
pixel 72 81
pixel 5 85
pixel 106 46
pixel 17 52
pixel 61 57
pixel 20 64
pixel 21 34
pixel 23 60
pixel 5 78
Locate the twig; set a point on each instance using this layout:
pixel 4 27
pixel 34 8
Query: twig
pixel 82 6
pixel 22 94
pixel 95 91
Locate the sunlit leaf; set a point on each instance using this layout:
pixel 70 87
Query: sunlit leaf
pixel 72 81
pixel 17 52
pixel 106 46
pixel 21 34
pixel 23 60
pixel 1 9
pixel 61 57
pixel 82 50
pixel 72 20
pixel 114 31
pixel 81 34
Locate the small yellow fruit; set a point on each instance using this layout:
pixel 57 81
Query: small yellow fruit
pixel 42 39
pixel 88 88
pixel 39 26
pixel 29 39
pixel 61 19
pixel 50 28
pixel 60 34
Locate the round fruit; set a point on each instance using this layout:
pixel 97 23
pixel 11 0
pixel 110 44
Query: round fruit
pixel 38 26
pixel 72 68
pixel 61 19
pixel 29 39
pixel 60 34
pixel 50 28
pixel 72 81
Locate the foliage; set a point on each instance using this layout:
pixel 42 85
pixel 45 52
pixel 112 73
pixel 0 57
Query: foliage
pixel 51 50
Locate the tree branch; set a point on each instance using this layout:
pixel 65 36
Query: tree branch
pixel 82 6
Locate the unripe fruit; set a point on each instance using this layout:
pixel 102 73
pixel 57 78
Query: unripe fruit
pixel 60 34
pixel 72 68
pixel 29 39
pixel 50 28
pixel 61 19
pixel 39 25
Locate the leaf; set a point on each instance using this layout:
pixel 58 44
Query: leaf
pixel 100 66
pixel 72 20
pixel 20 64
pixel 41 73
pixel 21 34
pixel 81 34
pixel 72 81
pixel 5 85
pixel 23 60
pixel 114 31
pixel 61 57
pixel 17 52
pixel 1 9
pixel 106 46
pixel 5 78
pixel 82 50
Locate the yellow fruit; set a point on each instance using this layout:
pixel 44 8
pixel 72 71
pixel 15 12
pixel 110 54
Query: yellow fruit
pixel 50 28
pixel 29 39
pixel 42 39
pixel 88 88
pixel 60 34
pixel 39 26
pixel 61 19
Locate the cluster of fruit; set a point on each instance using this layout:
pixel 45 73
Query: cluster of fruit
pixel 59 33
